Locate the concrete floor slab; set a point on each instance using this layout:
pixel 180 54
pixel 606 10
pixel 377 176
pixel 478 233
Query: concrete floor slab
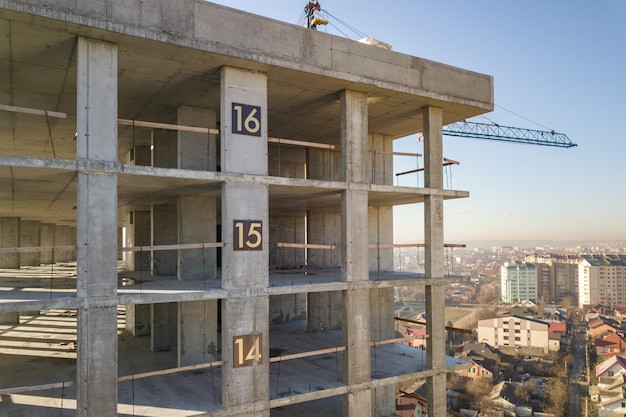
pixel 40 350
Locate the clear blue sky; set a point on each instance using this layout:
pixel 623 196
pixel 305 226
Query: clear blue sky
pixel 559 64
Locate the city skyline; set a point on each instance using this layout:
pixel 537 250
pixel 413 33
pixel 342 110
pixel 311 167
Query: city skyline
pixel 556 66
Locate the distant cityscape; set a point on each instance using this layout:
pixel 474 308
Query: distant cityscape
pixel 540 322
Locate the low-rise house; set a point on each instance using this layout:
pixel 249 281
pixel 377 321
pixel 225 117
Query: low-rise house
pixel 601 324
pixel 611 398
pixel 610 344
pixel 612 367
pixel 483 358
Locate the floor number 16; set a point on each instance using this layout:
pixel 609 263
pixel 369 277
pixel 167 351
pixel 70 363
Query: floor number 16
pixel 246 119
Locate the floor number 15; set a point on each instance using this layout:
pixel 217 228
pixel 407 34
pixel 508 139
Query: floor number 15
pixel 247 235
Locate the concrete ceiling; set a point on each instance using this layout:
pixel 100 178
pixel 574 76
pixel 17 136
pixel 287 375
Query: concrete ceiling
pixel 38 70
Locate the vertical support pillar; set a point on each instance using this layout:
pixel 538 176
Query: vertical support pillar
pixel 62 238
pixel 138 319
pixel 138 233
pixel 434 256
pixel 47 240
pixel 244 230
pixel 163 326
pixel 197 332
pixel 354 251
pixel 197 223
pixel 96 361
pixel 30 236
pixel 164 232
pixel 10 238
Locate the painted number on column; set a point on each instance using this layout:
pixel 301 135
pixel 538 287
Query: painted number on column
pixel 247 235
pixel 246 119
pixel 247 350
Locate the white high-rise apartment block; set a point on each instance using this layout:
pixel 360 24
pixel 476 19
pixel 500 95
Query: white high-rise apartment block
pixel 518 281
pixel 602 281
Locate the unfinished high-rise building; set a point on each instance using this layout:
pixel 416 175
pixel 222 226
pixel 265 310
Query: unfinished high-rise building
pixel 196 213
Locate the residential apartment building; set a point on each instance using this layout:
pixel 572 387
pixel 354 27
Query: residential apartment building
pixel 602 281
pixel 557 275
pixel 518 281
pixel 510 331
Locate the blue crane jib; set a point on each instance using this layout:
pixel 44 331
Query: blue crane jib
pixel 508 134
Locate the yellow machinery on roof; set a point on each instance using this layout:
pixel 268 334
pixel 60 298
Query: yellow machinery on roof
pixel 312 19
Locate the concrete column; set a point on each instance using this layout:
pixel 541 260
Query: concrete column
pixel 138 319
pixel 324 227
pixel 434 256
pixel 62 238
pixel 197 223
pixel 354 263
pixel 287 229
pixel 164 317
pixel 324 311
pixel 30 236
pixel 323 165
pixel 120 243
pixel 163 321
pixel 138 233
pixel 96 361
pixel 382 312
pixel 197 332
pixel 9 318
pixel 164 149
pixel 47 240
pixel 141 155
pixel 197 151
pixel 245 261
pixel 73 238
pixel 10 238
pixel 288 307
pixel 164 232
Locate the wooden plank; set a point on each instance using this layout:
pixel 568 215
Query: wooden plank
pixel 123 249
pixel 304 245
pixel 169 371
pixel 301 143
pixel 17 390
pixel 196 129
pixel 409 172
pixel 172 247
pixel 307 354
pixel 412 245
pixel 395 153
pixel 28 249
pixel 167 126
pixel 398 340
pixel 29 110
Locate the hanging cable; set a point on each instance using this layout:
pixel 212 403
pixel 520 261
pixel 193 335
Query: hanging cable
pixel 132 384
pixel 52 272
pixel 213 384
pixel 54 155
pixel 353 29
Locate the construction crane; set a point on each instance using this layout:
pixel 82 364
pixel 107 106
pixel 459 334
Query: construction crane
pixel 508 134
pixel 463 128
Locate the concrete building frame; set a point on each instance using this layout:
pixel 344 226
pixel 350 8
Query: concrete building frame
pixel 249 164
